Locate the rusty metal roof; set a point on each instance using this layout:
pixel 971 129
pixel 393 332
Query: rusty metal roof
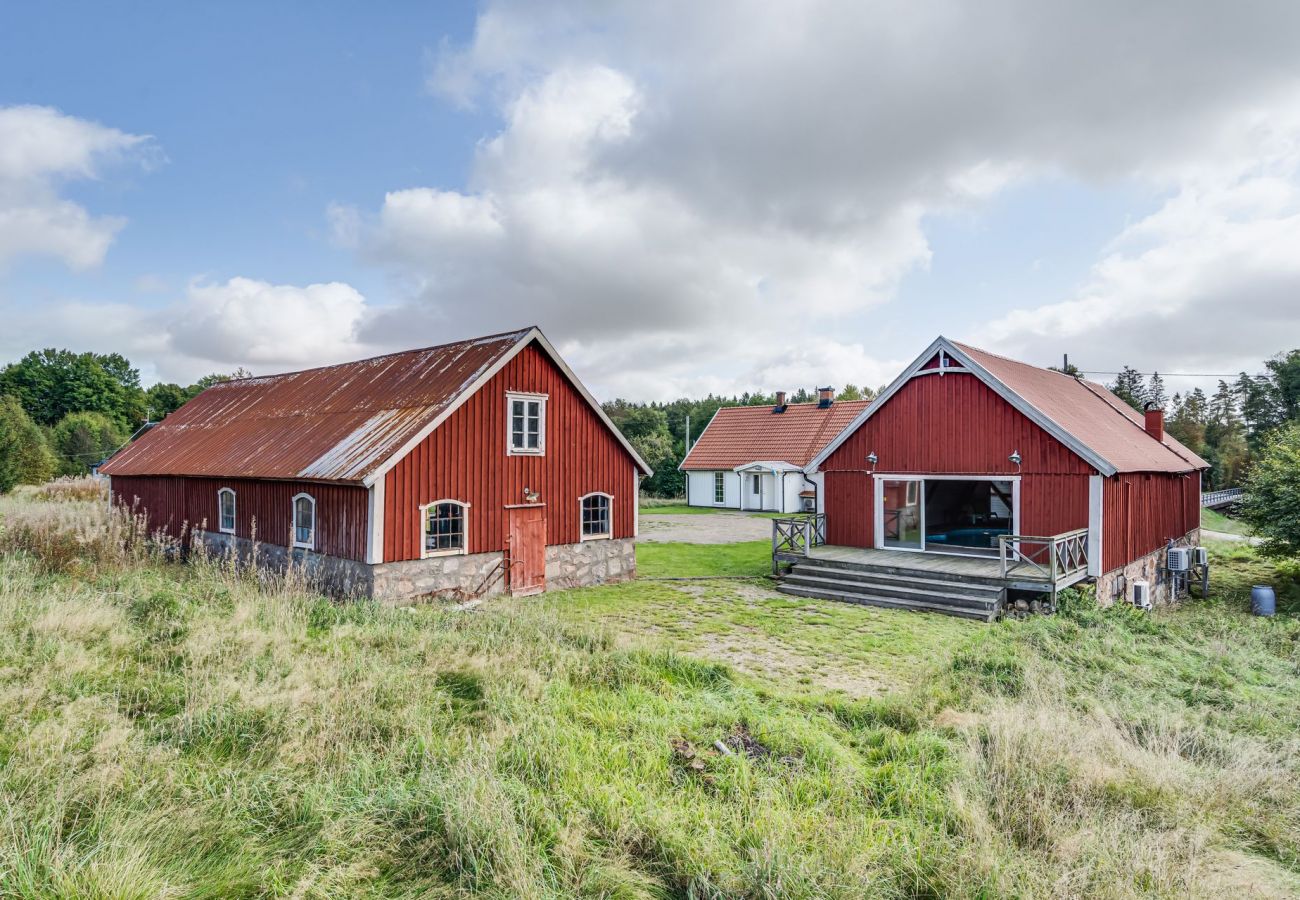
pixel 336 423
pixel 739 435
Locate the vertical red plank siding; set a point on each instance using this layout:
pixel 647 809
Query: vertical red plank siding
pixel 171 503
pixel 1142 511
pixel 953 424
pixel 465 459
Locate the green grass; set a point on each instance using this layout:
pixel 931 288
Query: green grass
pixel 680 560
pixel 184 730
pixel 1217 521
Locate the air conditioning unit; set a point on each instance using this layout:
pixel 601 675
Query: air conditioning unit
pixel 1200 557
pixel 1179 559
pixel 1142 594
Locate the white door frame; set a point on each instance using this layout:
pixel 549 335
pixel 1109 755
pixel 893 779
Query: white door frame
pixel 878 510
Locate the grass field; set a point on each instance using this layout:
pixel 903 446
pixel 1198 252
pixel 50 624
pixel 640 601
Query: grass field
pixel 170 730
pixel 673 560
pixel 1217 521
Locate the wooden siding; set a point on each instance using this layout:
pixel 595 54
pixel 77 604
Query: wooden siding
pixel 1142 511
pixel 953 424
pixel 262 507
pixel 465 459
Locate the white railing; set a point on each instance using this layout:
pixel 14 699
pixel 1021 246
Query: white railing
pixel 1043 558
pixel 1211 499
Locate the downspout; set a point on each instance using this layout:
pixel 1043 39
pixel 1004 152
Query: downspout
pixel 816 495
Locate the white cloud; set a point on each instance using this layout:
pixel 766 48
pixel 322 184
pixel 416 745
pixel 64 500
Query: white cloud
pixel 1209 282
pixel 693 197
pixel 261 325
pixel 214 326
pixel 41 149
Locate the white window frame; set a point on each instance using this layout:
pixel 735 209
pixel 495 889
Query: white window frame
pixel 609 498
pixel 524 397
pixel 720 487
pixel 463 549
pixel 293 522
pixel 234 510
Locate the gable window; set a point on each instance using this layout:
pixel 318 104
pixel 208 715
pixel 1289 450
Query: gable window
pixel 596 516
pixel 719 488
pixel 444 528
pixel 226 511
pixel 304 521
pixel 526 423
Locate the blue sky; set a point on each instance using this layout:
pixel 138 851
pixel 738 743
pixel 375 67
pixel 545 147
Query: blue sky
pixel 688 199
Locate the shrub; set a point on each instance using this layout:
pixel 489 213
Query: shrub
pixel 25 456
pixel 83 439
pixel 1272 501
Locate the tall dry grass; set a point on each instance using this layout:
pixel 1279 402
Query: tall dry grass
pixel 199 730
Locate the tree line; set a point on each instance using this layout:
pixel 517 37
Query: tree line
pixel 62 412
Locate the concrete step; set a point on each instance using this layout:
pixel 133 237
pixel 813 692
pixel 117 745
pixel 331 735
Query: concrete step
pixel 864 599
pixel 933 592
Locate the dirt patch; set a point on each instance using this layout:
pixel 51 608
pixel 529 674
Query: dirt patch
pixel 718 528
pixel 756 654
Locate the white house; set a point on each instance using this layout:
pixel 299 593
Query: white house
pixel 752 457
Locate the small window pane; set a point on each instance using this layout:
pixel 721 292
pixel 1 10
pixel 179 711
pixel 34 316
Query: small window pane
pixel 518 409
pixel 595 515
pixel 304 515
pixel 444 527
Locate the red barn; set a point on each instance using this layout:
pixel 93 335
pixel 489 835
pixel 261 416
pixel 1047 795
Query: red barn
pixel 465 469
pixel 975 469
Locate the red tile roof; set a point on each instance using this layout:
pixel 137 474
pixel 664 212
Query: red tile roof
pixel 1093 415
pixel 738 435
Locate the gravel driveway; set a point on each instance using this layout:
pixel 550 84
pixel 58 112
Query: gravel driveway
pixel 710 528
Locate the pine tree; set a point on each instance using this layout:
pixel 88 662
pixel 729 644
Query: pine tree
pixel 1130 387
pixel 1155 392
pixel 1223 407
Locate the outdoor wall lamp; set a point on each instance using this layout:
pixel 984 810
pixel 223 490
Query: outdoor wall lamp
pixel 1015 458
pixel 872 458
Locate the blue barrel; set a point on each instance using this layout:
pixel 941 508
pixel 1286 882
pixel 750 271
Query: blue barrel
pixel 1263 602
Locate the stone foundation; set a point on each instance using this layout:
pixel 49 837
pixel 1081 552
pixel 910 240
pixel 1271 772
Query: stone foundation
pixel 590 562
pixel 448 577
pixel 1116 586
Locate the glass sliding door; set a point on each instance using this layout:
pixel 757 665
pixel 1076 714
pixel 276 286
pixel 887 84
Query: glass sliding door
pixel 967 516
pixel 901 525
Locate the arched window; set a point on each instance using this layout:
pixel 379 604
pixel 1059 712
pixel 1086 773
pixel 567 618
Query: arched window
pixel 304 521
pixel 226 511
pixel 445 524
pixel 596 516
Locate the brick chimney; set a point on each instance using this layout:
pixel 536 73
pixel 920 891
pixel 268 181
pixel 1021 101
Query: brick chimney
pixel 780 402
pixel 1155 422
pixel 825 397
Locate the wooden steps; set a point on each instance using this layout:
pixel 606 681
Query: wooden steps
pixel 896 587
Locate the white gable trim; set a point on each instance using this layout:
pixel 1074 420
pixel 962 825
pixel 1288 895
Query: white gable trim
pixel 1031 412
pixel 533 334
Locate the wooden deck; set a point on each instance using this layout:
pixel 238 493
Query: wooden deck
pixel 945 565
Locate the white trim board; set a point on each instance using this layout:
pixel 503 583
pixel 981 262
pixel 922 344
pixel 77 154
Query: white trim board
pixel 533 334
pixel 1031 412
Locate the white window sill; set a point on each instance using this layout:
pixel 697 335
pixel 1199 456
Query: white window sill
pixel 513 452
pixel 596 537
pixel 433 554
pixel 226 530
pixel 298 546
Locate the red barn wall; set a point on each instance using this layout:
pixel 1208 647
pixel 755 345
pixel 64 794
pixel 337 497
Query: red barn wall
pixel 954 424
pixel 171 503
pixel 1142 511
pixel 465 459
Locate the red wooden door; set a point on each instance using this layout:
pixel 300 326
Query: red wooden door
pixel 526 536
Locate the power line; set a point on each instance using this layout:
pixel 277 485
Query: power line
pixel 1182 374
